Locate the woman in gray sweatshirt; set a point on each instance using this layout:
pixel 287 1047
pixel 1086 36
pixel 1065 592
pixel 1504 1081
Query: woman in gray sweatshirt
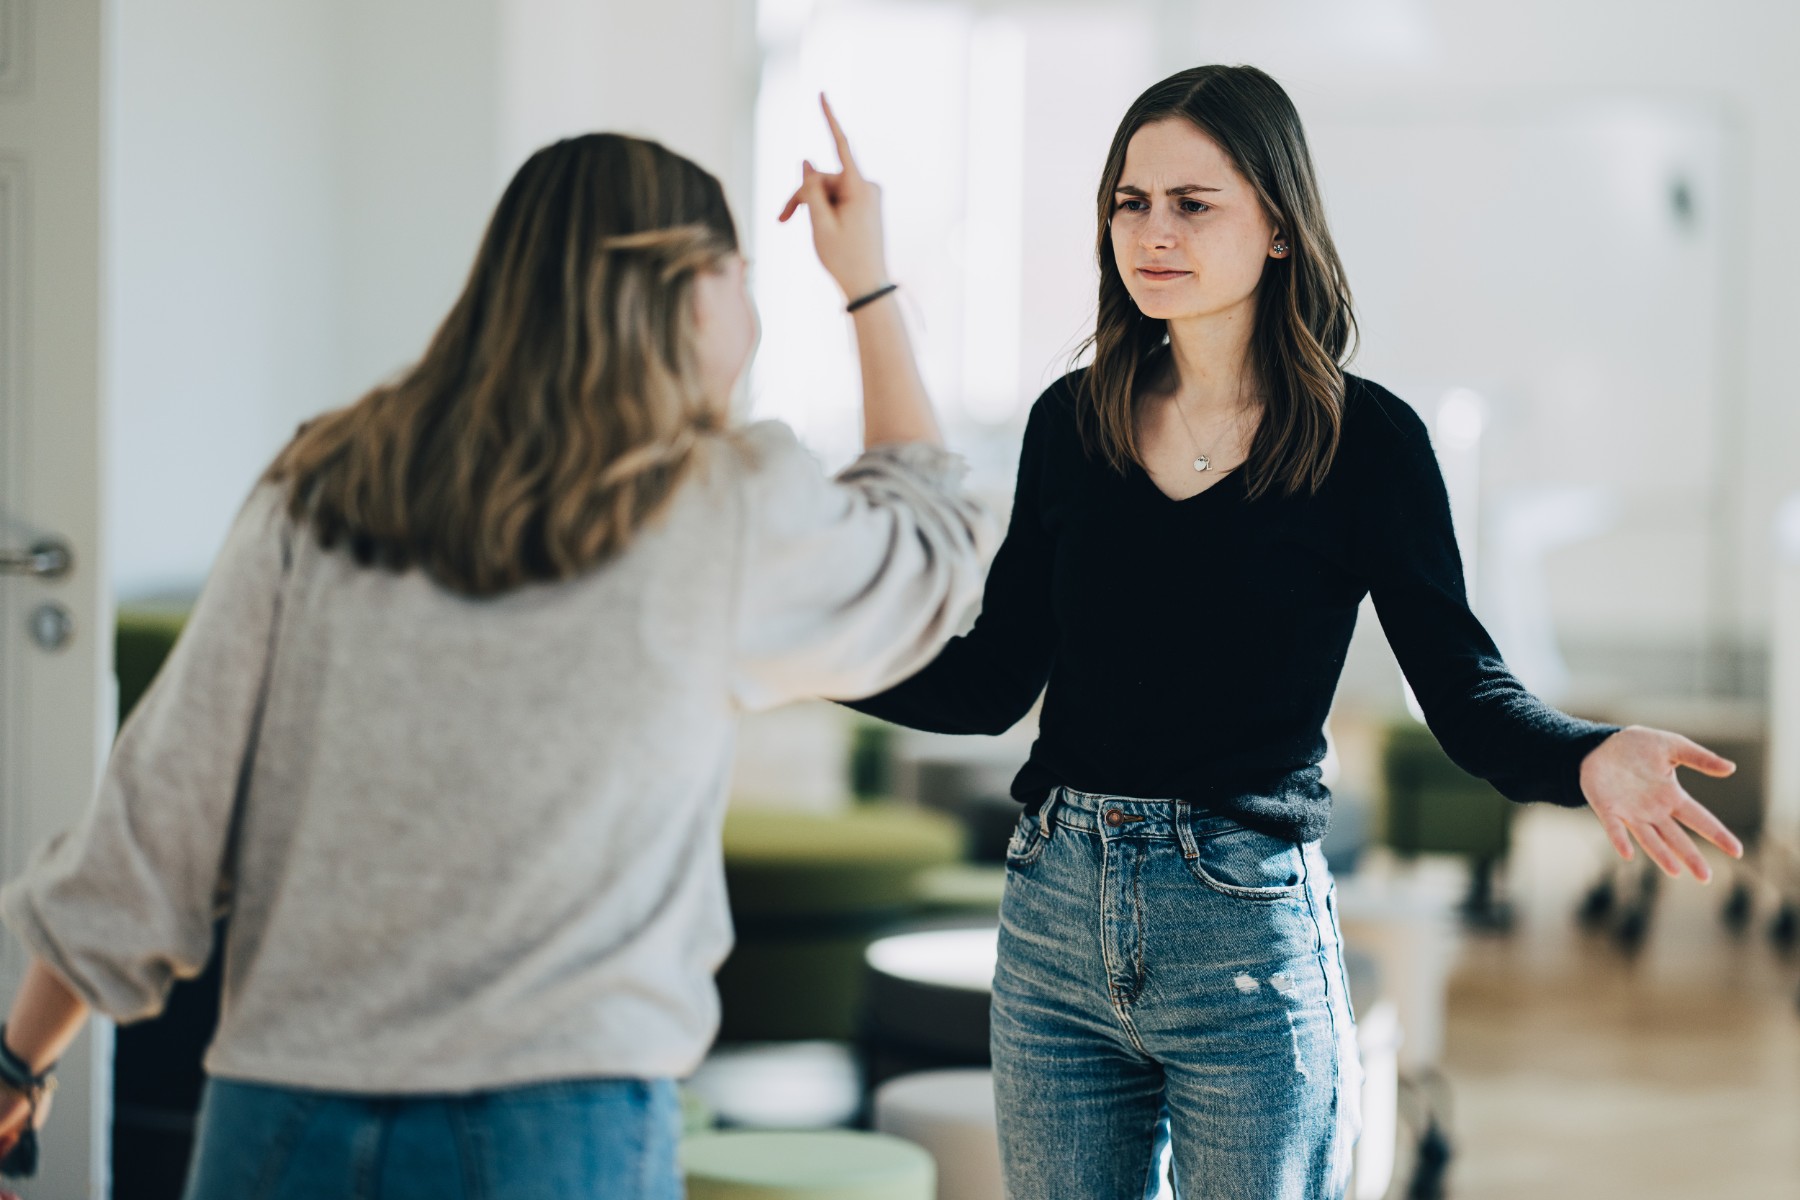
pixel 449 730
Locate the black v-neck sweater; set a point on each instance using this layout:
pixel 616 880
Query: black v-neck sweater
pixel 1191 648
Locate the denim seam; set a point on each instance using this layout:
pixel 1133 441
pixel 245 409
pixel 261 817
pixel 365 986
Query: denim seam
pixel 1184 830
pixel 1108 960
pixel 467 1155
pixel 1337 1045
pixel 645 1104
pixel 1028 853
pixel 1337 932
pixel 365 1156
pixel 1138 923
pixel 1043 826
pixel 282 1147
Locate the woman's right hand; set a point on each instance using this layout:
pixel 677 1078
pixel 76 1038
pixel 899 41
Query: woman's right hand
pixel 846 218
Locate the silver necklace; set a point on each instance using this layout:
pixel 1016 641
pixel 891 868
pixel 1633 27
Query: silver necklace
pixel 1202 462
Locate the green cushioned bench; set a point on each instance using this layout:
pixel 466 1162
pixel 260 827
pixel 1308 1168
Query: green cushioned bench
pixel 1432 806
pixel 809 892
pixel 831 1165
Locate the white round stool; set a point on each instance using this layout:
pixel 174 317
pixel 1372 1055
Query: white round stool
pixel 950 1114
pixel 1378 1041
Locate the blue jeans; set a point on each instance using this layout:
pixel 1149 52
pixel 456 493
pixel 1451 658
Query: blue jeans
pixel 1169 978
pixel 611 1138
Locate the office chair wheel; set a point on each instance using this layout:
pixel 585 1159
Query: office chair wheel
pixel 1737 908
pixel 1632 929
pixel 1784 929
pixel 1598 904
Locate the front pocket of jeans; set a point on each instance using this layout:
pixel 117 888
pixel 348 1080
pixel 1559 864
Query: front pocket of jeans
pixel 1249 864
pixel 1027 840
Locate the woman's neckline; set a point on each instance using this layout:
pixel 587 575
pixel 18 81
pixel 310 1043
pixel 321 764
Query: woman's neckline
pixel 1228 479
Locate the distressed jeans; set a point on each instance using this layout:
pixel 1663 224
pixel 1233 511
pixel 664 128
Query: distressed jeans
pixel 595 1139
pixel 1169 978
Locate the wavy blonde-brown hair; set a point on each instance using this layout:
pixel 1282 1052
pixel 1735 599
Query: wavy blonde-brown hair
pixel 559 406
pixel 1305 325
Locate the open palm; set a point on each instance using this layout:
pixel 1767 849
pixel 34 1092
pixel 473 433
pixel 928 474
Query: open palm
pixel 1629 780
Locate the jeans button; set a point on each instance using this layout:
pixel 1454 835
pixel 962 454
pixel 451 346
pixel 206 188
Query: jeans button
pixel 1114 817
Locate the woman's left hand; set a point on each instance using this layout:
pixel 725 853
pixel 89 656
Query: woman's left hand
pixel 1629 780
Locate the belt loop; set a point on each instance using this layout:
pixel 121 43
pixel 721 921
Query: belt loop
pixel 1184 829
pixel 1046 811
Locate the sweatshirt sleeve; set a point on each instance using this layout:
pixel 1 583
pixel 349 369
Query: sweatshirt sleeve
pixel 124 904
pixel 988 679
pixel 849 584
pixel 1485 719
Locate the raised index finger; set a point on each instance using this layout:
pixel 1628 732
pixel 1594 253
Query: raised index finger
pixel 837 135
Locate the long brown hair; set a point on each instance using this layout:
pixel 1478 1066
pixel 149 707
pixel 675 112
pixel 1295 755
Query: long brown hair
pixel 558 406
pixel 1305 327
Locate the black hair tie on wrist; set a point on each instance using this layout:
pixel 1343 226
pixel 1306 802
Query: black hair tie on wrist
pixel 16 1075
pixel 873 296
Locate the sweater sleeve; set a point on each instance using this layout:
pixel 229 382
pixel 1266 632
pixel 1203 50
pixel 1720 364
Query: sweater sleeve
pixel 850 584
pixel 989 678
pixel 1485 719
pixel 124 904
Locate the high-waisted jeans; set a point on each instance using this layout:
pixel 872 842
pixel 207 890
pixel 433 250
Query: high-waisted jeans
pixel 592 1139
pixel 1169 978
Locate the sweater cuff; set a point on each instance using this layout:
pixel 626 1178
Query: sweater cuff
pixel 113 998
pixel 1566 790
pixel 936 467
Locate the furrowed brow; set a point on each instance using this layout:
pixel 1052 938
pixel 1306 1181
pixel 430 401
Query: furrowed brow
pixel 1126 189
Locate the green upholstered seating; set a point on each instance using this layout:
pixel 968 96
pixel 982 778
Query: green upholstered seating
pixel 1433 806
pixel 961 890
pixel 143 637
pixel 809 891
pixel 697 1115
pixel 830 1165
pixel 856 860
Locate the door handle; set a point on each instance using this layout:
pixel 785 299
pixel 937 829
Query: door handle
pixel 47 559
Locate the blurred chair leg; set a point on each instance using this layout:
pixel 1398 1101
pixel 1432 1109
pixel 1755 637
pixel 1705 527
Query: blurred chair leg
pixel 1482 908
pixel 1634 919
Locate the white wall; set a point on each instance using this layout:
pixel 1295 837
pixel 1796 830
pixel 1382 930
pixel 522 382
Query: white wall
pixel 415 107
pixel 295 190
pixel 221 227
pixel 680 71
pixel 1731 57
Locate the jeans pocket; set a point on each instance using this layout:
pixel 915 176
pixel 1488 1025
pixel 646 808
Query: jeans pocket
pixel 1027 841
pixel 1248 864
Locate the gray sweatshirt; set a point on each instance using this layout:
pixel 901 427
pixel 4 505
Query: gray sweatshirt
pixel 471 843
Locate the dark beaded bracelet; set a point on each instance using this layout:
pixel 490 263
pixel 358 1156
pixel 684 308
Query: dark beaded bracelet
pixel 21 1162
pixel 17 1071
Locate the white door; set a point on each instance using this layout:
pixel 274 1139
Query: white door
pixel 55 640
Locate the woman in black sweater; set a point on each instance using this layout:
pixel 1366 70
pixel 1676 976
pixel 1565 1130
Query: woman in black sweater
pixel 1198 516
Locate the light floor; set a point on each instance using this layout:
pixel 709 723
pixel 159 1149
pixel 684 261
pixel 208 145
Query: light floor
pixel 1579 1072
